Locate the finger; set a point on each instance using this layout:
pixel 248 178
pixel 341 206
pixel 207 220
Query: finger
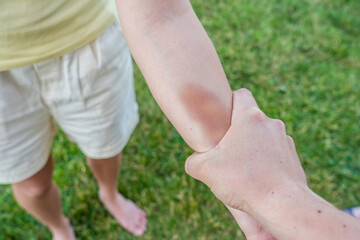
pixel 242 100
pixel 249 225
pixel 280 125
pixel 245 102
pixel 196 166
pixel 291 142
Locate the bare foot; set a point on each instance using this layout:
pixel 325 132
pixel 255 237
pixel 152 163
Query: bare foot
pixel 128 215
pixel 64 233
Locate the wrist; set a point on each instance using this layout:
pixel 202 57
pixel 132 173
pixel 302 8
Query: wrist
pixel 298 213
pixel 279 200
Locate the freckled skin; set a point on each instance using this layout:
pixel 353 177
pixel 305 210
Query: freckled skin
pixel 205 108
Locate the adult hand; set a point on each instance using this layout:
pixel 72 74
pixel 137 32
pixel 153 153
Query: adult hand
pixel 254 161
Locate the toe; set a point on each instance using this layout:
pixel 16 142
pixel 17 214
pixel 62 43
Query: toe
pixel 143 222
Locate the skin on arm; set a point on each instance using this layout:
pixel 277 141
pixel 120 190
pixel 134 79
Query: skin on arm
pixel 181 67
pixel 255 168
pixel 305 216
pixel 183 72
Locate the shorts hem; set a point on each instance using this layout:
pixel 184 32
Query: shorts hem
pixel 115 149
pixel 28 172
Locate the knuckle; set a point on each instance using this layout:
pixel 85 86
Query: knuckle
pixel 245 91
pixel 187 167
pixel 197 168
pixel 291 140
pixel 280 124
pixel 203 169
pixel 257 115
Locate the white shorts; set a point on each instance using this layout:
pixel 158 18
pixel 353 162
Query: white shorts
pixel 88 92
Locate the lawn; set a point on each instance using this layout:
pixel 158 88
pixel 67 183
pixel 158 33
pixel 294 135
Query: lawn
pixel 301 60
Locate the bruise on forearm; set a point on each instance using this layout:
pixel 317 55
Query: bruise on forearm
pixel 208 111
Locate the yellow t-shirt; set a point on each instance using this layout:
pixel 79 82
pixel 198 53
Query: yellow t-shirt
pixel 36 30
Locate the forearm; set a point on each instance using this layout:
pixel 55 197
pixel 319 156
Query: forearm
pixel 298 213
pixel 180 66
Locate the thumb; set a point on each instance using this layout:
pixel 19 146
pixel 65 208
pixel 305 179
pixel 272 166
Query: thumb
pixel 197 166
pixel 242 100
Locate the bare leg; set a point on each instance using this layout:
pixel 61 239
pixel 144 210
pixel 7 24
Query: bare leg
pixel 40 197
pixel 129 216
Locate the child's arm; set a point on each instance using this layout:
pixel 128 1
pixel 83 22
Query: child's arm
pixel 180 66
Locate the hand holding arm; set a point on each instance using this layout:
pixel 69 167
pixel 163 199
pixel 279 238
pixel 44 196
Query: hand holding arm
pixel 255 168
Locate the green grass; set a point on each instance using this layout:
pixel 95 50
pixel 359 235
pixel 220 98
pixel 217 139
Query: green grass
pixel 301 60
